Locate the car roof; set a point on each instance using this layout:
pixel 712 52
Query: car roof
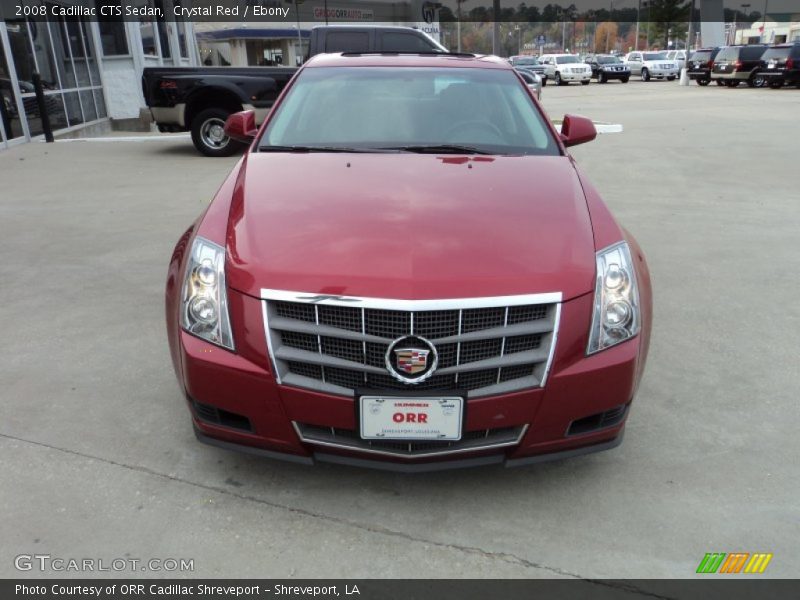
pixel 410 59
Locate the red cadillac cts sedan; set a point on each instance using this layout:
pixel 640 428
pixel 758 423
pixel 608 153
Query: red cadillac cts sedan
pixel 407 270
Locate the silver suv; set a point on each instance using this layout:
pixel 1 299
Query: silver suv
pixel 563 68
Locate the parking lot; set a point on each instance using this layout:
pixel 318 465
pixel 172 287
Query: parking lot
pixel 99 457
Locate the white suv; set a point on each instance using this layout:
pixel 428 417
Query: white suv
pixel 563 68
pixel 652 65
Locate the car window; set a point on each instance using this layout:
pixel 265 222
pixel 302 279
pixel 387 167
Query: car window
pixel 567 60
pixel 347 41
pixel 752 52
pixel 776 54
pixel 404 42
pixel 389 107
pixel 702 56
pixel 728 54
pixel 608 60
pixel 654 55
pixel 635 57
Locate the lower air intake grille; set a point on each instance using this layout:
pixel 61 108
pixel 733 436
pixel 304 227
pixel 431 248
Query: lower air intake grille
pixel 347 439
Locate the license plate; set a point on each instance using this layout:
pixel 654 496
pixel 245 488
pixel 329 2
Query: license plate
pixel 412 418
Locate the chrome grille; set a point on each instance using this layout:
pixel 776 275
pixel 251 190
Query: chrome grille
pixel 336 344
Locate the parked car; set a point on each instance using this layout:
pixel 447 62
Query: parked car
pixel 651 65
pixel 606 67
pixel 700 64
pixel 564 68
pixel 532 80
pixel 735 64
pixel 446 289
pixel 199 99
pixel 781 65
pixel 679 56
pixel 529 63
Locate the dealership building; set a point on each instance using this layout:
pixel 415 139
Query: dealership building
pixel 90 70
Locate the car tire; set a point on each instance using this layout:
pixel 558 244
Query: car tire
pixel 558 79
pixel 720 82
pixel 703 82
pixel 207 133
pixel 585 82
pixel 671 78
pixel 601 78
pixel 624 79
pixel 645 75
pixel 544 81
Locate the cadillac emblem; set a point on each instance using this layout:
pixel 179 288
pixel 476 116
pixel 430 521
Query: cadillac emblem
pixel 411 359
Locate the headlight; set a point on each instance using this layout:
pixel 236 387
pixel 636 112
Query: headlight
pixel 204 309
pixel 616 300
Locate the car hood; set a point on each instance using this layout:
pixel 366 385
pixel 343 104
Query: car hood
pixel 409 226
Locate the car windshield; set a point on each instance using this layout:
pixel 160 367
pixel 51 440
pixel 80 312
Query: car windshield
pixel 655 55
pixel 526 62
pixel 413 109
pixel 608 60
pixel 564 60
pixel 701 55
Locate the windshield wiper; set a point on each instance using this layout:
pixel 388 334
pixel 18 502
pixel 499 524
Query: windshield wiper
pixel 440 149
pixel 311 149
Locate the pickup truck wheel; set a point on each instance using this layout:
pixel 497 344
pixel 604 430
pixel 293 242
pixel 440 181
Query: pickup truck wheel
pixel 645 75
pixel 208 133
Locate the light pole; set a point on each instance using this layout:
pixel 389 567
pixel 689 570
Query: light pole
pixel 638 10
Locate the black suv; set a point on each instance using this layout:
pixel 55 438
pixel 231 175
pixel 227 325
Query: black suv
pixel 735 64
pixel 606 67
pixel 781 64
pixel 700 64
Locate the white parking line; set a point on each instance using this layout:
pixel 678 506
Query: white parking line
pixel 131 138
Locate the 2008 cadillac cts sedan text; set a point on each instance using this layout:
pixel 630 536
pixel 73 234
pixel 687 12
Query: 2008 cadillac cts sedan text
pixel 407 270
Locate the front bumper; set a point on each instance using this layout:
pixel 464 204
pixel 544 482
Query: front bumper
pixel 615 74
pixel 576 76
pixel 661 73
pixel 236 404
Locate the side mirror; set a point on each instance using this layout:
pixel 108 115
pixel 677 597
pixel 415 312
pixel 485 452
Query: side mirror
pixel 241 126
pixel 577 130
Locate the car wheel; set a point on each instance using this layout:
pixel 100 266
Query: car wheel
pixel 208 133
pixel 601 78
pixel 558 79
pixel 585 82
pixel 720 82
pixel 624 80
pixel 544 81
pixel 756 81
pixel 703 82
pixel 645 75
pixel 671 78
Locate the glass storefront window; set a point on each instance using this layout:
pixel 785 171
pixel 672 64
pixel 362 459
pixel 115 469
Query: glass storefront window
pixel 61 50
pixel 9 114
pixel 148 32
pixel 184 49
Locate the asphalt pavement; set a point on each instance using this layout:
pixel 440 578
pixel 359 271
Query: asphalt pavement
pixel 99 459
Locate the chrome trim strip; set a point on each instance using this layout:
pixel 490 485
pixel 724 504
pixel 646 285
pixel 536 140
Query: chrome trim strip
pixel 553 343
pixel 268 333
pixel 411 305
pixel 355 448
